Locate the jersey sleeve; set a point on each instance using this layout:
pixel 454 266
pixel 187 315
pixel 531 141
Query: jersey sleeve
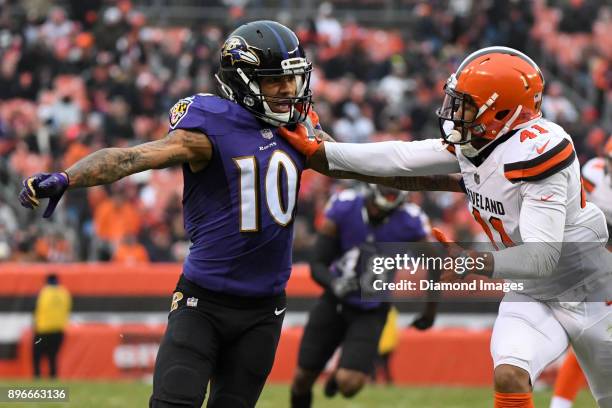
pixel 186 114
pixel 201 112
pixel 541 224
pixel 395 158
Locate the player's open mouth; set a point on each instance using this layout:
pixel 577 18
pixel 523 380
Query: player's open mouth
pixel 281 107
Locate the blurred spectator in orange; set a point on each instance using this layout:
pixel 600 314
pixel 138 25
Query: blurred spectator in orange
pixel 115 217
pixel 130 251
pixel 54 247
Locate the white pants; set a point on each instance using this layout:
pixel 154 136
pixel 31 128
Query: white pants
pixel 531 334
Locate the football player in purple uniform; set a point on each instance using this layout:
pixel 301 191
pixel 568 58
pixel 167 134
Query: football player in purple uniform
pixel 240 190
pixel 345 316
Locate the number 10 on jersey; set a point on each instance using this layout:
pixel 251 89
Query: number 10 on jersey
pixel 249 190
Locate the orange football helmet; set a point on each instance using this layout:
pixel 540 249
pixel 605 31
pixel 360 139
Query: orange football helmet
pixel 494 90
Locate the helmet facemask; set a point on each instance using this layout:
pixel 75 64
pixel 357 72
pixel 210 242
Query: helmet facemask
pixel 456 117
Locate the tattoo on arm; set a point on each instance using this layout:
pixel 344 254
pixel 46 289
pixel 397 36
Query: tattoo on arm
pixel 421 183
pixel 102 167
pixel 111 164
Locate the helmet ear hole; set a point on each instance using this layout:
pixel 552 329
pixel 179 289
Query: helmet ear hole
pixel 501 114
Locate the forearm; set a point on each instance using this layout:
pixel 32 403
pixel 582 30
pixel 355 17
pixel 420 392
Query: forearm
pixel 450 182
pixel 104 166
pixel 421 158
pixel 538 260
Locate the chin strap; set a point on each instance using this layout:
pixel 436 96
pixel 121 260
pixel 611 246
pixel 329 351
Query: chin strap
pixel 227 91
pixel 510 121
pixel 470 151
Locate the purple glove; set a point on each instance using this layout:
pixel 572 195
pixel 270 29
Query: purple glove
pixel 43 185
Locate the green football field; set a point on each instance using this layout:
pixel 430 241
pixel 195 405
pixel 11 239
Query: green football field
pixel 136 394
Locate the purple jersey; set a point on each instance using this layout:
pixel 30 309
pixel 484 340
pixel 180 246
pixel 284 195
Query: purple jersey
pixel 347 210
pixel 239 210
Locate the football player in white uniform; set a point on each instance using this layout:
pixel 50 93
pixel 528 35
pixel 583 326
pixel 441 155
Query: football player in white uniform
pixel 523 182
pixel 597 181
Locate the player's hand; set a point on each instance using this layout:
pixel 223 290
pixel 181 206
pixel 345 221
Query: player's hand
pixel 454 251
pixel 300 140
pixel 343 286
pixel 43 185
pixel 423 322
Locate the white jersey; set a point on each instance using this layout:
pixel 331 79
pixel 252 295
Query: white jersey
pixel 598 185
pixel 518 176
pixel 523 188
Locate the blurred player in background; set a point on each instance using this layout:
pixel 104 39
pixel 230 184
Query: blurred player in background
pixel 597 180
pixel 51 317
pixel 354 223
pixel 523 181
pixel 239 201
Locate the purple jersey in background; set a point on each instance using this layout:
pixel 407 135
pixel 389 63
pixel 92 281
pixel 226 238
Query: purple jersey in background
pixel 239 210
pixel 347 210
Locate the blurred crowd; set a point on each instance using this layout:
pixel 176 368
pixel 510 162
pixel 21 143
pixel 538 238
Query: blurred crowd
pixel 93 74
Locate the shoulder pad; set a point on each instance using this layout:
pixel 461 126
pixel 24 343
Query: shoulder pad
pixel 191 112
pixel 412 209
pixel 537 152
pixel 344 196
pixel 212 103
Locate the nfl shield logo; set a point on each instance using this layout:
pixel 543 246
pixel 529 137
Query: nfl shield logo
pixel 476 178
pixel 267 133
pixel 192 302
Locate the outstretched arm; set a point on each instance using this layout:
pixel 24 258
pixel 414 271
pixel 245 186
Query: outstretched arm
pixel 384 159
pixel 111 164
pixel 446 182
